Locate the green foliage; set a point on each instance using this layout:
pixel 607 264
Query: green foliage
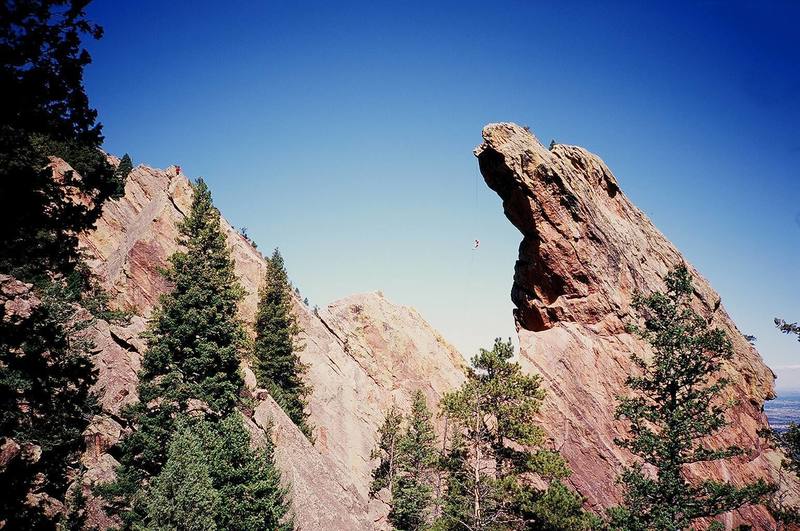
pixel 789 441
pixel 45 372
pixel 788 328
pixel 213 480
pixel 675 405
pixel 45 112
pixel 779 504
pixel 45 378
pixel 182 496
pixel 388 436
pixel 496 443
pixel 191 366
pixel 124 168
pixel 456 503
pixel 195 338
pixel 276 362
pixel 560 509
pixel 416 458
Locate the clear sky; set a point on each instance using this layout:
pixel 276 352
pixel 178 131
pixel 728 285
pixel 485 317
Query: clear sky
pixel 342 133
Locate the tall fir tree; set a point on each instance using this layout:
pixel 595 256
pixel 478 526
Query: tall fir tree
pixel 498 444
pixel 45 403
pixel 276 361
pixel 45 369
pixel 213 480
pixel 416 459
pixel 45 112
pixel 674 407
pixel 386 451
pixel 456 503
pixel 191 369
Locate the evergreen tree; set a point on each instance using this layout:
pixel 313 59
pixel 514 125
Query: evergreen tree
pixel 276 362
pixel 124 168
pixel 559 509
pixel 213 480
pixel 388 436
pixel 416 458
pixel 456 503
pixel 788 328
pixel 45 404
pixel 45 112
pixel 182 495
pixel 191 368
pixel 500 443
pixel 45 371
pixel 674 407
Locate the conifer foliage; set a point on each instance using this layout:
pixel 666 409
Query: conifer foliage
pixel 674 406
pixel 213 480
pixel 190 452
pixel 45 112
pixel 492 445
pixel 45 403
pixel 276 362
pixel 388 441
pixel 497 443
pixel 45 369
pixel 412 487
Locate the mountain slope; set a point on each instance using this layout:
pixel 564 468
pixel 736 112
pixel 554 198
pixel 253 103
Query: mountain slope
pixel 363 352
pixel 585 250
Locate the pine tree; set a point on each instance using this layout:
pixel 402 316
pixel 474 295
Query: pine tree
pixel 388 437
pixel 788 328
pixel 191 368
pixel 182 495
pixel 456 503
pixel 499 443
pixel 45 402
pixel 45 112
pixel 674 407
pixel 45 369
pixel 213 480
pixel 124 168
pixel 276 362
pixel 416 458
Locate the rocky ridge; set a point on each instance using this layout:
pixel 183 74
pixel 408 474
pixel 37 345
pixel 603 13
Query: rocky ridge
pixel 364 353
pixel 585 250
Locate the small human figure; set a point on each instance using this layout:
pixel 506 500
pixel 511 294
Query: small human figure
pixel 476 244
pixel 177 170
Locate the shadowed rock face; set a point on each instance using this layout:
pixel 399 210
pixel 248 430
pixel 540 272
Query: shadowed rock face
pixel 585 250
pixel 363 352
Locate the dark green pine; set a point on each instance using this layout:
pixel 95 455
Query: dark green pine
pixel 194 344
pixel 673 408
pixel 276 362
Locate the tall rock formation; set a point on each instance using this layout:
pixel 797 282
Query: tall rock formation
pixel 364 353
pixel 585 250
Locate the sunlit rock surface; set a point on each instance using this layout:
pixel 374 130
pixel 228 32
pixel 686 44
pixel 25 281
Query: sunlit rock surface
pixel 585 250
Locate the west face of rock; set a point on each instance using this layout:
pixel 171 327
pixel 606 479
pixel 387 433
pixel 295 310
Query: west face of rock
pixel 585 250
pixel 364 354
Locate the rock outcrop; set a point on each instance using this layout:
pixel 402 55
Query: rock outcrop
pixel 363 353
pixel 585 250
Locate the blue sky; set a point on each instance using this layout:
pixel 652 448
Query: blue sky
pixel 342 133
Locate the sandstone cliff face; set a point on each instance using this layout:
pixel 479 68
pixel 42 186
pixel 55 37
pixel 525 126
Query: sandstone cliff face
pixel 585 249
pixel 363 352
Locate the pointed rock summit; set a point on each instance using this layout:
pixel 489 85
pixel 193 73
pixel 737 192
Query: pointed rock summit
pixel 585 250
